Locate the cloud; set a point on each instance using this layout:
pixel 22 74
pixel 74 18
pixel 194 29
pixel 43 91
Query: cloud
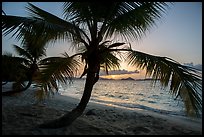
pixel 118 72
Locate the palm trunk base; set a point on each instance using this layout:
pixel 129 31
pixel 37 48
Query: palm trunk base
pixel 69 118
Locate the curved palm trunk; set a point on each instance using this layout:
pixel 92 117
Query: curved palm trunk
pixel 67 119
pixel 12 92
pixel 33 70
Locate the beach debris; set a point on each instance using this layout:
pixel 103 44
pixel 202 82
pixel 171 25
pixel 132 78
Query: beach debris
pixel 91 112
pixel 28 114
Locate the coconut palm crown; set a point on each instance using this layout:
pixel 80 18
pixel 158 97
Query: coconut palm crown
pixel 93 28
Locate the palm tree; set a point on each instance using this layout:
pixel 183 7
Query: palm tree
pixel 13 70
pixel 31 52
pixel 93 28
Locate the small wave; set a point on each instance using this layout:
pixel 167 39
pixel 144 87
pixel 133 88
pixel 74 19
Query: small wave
pixel 120 95
pixel 131 105
pixel 151 102
pixel 153 109
pixel 140 94
pixel 155 96
pixel 142 100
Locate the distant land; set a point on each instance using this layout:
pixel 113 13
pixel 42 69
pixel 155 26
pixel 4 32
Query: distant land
pixel 129 78
pixel 197 66
pixel 118 72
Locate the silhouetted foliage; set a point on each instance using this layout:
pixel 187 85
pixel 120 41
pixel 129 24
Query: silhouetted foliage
pixel 93 28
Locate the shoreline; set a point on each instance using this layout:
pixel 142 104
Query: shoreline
pixel 20 115
pixel 172 118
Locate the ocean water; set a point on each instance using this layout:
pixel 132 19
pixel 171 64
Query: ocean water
pixel 126 93
pixel 129 94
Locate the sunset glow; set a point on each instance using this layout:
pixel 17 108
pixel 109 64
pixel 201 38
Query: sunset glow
pixel 140 75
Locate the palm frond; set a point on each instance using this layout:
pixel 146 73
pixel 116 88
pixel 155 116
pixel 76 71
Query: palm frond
pixel 108 52
pixel 133 19
pixel 54 70
pixel 128 19
pixel 185 81
pixel 109 61
pixel 22 52
pixel 9 58
pixel 43 23
pixel 115 45
pixel 68 29
pixel 83 11
pixel 34 43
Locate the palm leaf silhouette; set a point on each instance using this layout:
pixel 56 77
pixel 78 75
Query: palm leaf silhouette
pixel 184 81
pixel 54 70
pixel 92 27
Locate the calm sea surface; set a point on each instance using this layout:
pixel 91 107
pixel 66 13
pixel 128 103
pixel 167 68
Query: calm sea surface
pixel 130 94
pixel 126 93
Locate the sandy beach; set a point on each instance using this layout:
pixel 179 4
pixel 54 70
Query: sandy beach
pixel 21 114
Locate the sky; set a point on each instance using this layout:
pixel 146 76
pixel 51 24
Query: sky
pixel 178 34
